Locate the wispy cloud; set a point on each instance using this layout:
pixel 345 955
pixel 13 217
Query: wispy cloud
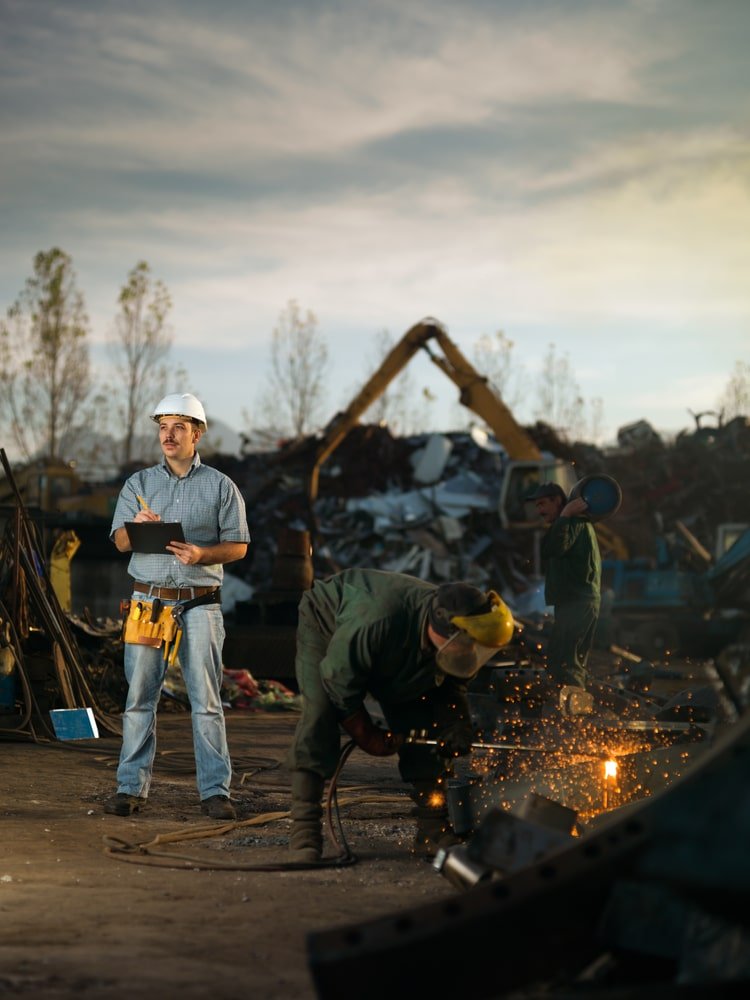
pixel 308 80
pixel 574 173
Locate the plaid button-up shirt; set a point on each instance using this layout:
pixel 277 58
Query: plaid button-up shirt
pixel 205 501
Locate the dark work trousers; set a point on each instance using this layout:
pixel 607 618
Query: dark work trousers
pixel 571 640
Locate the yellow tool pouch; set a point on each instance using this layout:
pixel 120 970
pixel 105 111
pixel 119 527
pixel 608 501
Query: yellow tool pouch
pixel 143 628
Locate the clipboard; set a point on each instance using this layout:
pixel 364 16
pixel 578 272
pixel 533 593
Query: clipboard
pixel 153 536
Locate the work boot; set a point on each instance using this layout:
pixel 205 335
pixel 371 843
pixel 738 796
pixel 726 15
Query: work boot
pixel 433 825
pixel 122 804
pixel 306 839
pixel 218 807
pixel 570 701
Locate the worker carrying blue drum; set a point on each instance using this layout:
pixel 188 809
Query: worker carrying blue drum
pixel 573 569
pixel 413 647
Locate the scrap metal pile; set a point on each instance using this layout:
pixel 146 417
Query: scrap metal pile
pixel 428 505
pixel 701 480
pixel 43 665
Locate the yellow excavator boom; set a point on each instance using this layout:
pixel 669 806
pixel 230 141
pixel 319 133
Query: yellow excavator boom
pixel 475 394
pixel 527 464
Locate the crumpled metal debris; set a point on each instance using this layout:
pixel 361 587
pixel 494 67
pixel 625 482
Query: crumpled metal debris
pixel 427 504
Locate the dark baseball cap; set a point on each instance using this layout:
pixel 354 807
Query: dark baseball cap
pixel 547 490
pixel 456 599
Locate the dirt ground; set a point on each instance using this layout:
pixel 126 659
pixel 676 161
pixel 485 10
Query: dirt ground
pixel 78 921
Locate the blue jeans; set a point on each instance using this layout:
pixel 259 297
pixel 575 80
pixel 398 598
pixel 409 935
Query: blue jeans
pixel 200 658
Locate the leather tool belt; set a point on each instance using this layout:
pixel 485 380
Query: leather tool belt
pixel 172 593
pixel 150 623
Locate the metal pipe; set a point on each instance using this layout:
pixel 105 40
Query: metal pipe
pixel 510 747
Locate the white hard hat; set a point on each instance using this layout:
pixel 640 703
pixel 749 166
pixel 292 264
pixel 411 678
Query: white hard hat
pixel 181 404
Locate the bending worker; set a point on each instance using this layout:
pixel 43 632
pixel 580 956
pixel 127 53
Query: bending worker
pixel 573 569
pixel 413 647
pixel 187 577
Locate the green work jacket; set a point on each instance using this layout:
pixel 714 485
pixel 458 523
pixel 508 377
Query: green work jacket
pixel 572 562
pixel 374 622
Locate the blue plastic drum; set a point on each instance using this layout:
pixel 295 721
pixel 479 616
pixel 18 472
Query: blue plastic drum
pixel 602 494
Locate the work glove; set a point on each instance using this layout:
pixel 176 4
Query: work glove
pixel 369 737
pixel 455 739
pixel 452 719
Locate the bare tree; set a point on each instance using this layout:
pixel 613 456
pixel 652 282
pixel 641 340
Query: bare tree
pixel 142 344
pixel 735 399
pixel 596 419
pixel 493 358
pixel 299 361
pixel 44 357
pixel 559 399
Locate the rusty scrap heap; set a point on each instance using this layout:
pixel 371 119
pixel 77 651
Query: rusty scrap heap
pixel 46 668
pixel 700 481
pixel 432 506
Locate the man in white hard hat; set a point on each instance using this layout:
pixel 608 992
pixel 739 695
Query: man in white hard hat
pixel 186 576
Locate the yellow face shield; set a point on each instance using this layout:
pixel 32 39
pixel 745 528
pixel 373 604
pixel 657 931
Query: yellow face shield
pixel 463 657
pixel 494 628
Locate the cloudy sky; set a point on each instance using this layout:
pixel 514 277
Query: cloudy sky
pixel 574 173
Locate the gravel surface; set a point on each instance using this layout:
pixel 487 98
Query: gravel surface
pixel 78 921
